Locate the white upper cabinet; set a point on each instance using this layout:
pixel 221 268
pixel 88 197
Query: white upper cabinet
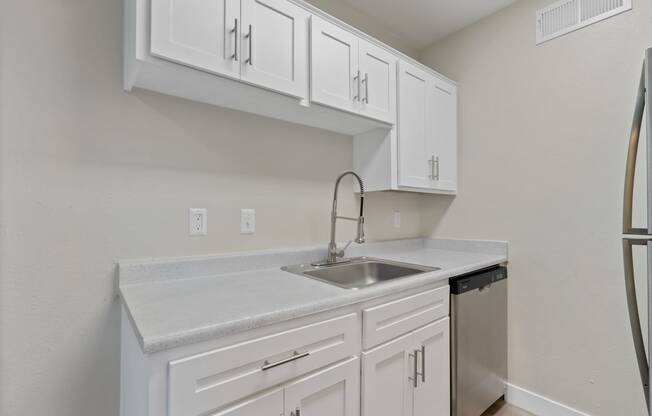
pixel 334 66
pixel 197 33
pixel 287 60
pixel 274 39
pixel 261 42
pixel 378 82
pixel 414 144
pixel 427 131
pixel 351 74
pixel 443 128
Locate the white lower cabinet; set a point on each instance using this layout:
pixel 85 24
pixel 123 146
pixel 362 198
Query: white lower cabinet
pixel 432 394
pixel 268 403
pixel 386 389
pixel 324 365
pixel 410 375
pixel 331 392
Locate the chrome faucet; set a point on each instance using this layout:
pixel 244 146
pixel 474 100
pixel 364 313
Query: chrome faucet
pixel 333 252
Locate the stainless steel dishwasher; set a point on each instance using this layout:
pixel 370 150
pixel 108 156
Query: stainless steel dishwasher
pixel 478 340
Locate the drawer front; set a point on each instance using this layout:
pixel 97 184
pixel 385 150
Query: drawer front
pixel 215 379
pixel 390 320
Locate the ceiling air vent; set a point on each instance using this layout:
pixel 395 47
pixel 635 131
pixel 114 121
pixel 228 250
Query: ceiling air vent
pixel 566 16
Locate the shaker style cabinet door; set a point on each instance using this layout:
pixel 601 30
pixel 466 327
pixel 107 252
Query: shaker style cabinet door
pixel 414 142
pixel 274 39
pixel 269 403
pixel 386 385
pixel 443 128
pixel 199 33
pixel 335 80
pixel 334 391
pixel 378 82
pixel 432 394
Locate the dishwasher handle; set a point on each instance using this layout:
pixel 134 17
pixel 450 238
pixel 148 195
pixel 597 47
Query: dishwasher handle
pixel 480 280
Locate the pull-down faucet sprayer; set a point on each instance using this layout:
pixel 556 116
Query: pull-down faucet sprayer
pixel 333 252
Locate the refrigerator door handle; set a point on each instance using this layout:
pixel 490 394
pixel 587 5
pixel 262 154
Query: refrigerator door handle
pixel 628 200
pixel 634 319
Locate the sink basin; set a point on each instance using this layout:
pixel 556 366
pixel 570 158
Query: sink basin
pixel 359 272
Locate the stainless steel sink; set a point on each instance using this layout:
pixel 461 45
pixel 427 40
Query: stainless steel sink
pixel 358 272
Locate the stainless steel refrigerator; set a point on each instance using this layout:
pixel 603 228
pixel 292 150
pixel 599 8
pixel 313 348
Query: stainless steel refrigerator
pixel 639 236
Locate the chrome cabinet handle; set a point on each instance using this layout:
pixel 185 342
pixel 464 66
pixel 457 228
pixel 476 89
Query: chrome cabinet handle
pixel 431 161
pixel 437 171
pixel 296 356
pixel 630 170
pixel 235 40
pixel 415 379
pixel 423 363
pixel 366 88
pixel 357 82
pixel 632 308
pixel 250 36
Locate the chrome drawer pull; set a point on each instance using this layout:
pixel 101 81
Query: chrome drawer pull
pixel 250 36
pixel 423 363
pixel 235 38
pixel 296 356
pixel 357 83
pixel 415 379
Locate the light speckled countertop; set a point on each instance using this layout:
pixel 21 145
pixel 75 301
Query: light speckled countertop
pixel 175 302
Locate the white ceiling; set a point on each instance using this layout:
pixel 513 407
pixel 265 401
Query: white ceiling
pixel 422 22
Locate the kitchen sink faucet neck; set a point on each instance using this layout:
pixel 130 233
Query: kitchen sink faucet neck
pixel 333 252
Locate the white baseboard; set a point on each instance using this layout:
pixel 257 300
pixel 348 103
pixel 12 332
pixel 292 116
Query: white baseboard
pixel 537 404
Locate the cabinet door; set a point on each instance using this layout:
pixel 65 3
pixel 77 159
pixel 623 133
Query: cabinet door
pixel 443 128
pixel 414 143
pixel 268 403
pixel 334 391
pixel 386 387
pixel 432 394
pixel 197 33
pixel 275 46
pixel 334 66
pixel 378 83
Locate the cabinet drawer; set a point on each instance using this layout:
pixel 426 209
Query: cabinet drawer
pixel 390 320
pixel 212 380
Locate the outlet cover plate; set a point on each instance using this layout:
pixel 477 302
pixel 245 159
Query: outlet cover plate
pixel 197 221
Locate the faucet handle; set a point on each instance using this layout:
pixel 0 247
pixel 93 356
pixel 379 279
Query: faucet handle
pixel 341 252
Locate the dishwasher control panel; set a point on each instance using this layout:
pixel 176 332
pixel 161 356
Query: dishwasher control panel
pixel 478 280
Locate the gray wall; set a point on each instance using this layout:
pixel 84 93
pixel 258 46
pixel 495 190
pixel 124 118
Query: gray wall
pixel 90 174
pixel 543 133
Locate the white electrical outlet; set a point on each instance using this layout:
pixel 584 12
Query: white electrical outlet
pixel 397 219
pixel 247 221
pixel 198 221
